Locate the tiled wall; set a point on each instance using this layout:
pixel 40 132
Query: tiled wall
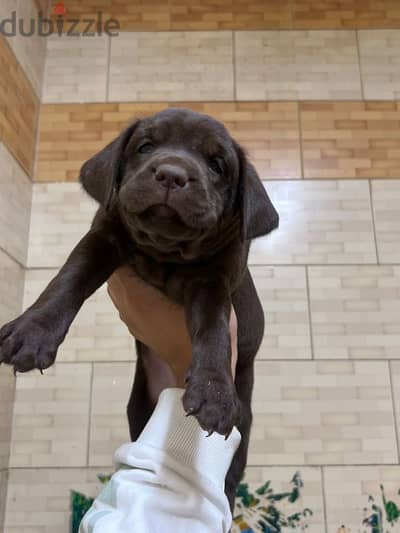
pixel 242 14
pixel 316 104
pixel 21 66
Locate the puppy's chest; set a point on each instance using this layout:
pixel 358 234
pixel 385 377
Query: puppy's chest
pixel 169 278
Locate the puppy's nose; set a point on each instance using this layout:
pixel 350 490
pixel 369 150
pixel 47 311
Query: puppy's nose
pixel 171 176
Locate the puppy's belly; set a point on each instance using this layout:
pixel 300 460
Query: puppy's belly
pixel 158 374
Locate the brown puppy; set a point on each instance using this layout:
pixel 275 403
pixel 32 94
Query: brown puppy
pixel 179 203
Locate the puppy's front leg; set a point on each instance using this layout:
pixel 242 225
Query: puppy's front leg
pixel 210 393
pixel 32 340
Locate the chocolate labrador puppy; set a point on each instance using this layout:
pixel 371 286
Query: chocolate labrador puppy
pixel 180 203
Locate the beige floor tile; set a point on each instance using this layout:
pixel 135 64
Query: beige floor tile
pixel 297 65
pixel 280 477
pixel 380 64
pixel 327 412
pixel 76 69
pixel 61 215
pixel 97 333
pixel 171 66
pixel 320 222
pixel 347 492
pixel 355 311
pixel 39 500
pixel 51 417
pixel 395 370
pixel 15 207
pixel 112 384
pixel 385 199
pixel 11 291
pixel 11 288
pixel 283 295
pixel 3 495
pixel 7 392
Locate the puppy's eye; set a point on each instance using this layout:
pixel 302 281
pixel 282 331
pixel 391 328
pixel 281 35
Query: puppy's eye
pixel 146 148
pixel 217 165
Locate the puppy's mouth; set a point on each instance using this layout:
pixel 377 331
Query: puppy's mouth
pixel 162 211
pixel 163 219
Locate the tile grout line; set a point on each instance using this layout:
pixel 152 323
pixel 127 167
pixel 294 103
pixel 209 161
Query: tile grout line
pixel 324 507
pixel 14 259
pixel 264 180
pixel 108 70
pixel 166 101
pixel 360 64
pixel 256 29
pixel 90 413
pixel 371 199
pixel 264 465
pixel 396 420
pixel 310 326
pixel 258 360
pixel 252 265
pixel 291 14
pixel 301 144
pixel 234 65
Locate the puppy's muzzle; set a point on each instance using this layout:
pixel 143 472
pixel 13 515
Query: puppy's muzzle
pixel 172 177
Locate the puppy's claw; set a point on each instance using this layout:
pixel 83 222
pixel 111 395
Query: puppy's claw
pixel 41 371
pixel 15 372
pixel 210 433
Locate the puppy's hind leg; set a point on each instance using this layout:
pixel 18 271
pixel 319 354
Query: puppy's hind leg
pixel 244 386
pixel 151 377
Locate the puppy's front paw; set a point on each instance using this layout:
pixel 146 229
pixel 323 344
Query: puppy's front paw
pixel 212 399
pixel 26 344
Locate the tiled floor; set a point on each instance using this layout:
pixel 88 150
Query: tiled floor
pixel 7 387
pixel 283 293
pixel 97 333
pixel 320 413
pixel 51 417
pixel 15 206
pixel 39 498
pixel 112 383
pixel 380 64
pixel 386 198
pixel 395 373
pixel 348 489
pixel 320 222
pixel 61 215
pixel 311 496
pixel 355 311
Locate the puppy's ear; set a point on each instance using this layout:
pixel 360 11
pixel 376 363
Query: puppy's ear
pixel 258 216
pixel 102 174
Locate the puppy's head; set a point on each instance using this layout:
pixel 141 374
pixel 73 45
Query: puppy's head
pixel 175 177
